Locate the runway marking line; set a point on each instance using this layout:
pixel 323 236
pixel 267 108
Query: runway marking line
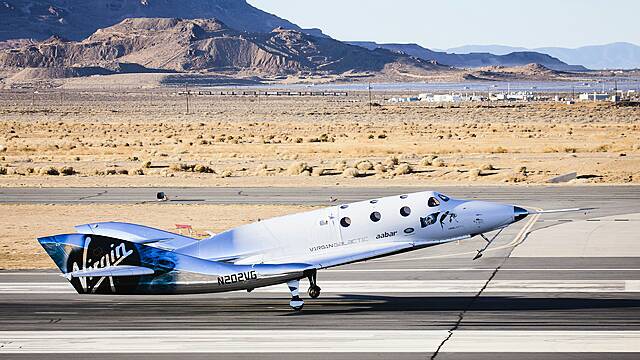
pixel 399 286
pixel 334 270
pixel 474 269
pixel 314 341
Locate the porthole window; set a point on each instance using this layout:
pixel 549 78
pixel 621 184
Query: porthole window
pixel 373 201
pixel 375 216
pixel 404 196
pixel 408 230
pixel 345 221
pixel 444 198
pixel 433 202
pixel 344 206
pixel 405 211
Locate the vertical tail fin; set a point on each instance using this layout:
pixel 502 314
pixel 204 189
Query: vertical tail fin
pixel 79 255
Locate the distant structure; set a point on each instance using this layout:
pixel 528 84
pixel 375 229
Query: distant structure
pixel 510 96
pixel 441 98
pixel 614 96
pixel 404 99
pixel 594 97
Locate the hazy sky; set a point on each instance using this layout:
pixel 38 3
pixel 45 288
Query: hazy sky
pixel 449 23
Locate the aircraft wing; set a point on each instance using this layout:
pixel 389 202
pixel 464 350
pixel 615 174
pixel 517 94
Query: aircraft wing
pixel 373 251
pixel 137 234
pixel 119 270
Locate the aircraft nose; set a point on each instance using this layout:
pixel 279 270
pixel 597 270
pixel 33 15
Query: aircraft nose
pixel 519 213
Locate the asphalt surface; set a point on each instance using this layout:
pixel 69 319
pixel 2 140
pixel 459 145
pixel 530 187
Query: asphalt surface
pixel 377 308
pixel 535 310
pixel 440 291
pixel 594 196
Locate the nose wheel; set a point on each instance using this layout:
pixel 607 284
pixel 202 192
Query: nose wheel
pixel 314 289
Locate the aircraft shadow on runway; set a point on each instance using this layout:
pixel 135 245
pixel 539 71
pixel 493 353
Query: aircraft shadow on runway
pixel 350 303
pixel 176 308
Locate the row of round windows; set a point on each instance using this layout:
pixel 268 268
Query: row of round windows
pixel 375 216
pixel 404 211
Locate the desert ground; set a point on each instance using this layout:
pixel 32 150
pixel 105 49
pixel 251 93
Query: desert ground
pixel 71 137
pixel 20 250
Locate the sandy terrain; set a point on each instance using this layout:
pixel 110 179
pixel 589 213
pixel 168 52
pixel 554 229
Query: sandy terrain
pixel 98 136
pixel 22 224
pixel 107 137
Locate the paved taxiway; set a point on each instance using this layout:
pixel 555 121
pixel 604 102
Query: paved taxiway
pixel 510 303
pixel 533 196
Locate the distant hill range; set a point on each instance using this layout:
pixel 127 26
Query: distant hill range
pixel 77 19
pixel 610 56
pixel 204 45
pixel 68 38
pixel 476 59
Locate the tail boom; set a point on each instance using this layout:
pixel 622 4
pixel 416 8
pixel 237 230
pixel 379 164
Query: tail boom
pixel 96 264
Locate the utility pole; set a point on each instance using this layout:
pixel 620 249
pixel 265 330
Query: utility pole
pixel 573 93
pixel 186 92
pixel 370 104
pixel 33 97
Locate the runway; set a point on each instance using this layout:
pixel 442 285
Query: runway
pixel 556 287
pixel 596 196
pixel 360 313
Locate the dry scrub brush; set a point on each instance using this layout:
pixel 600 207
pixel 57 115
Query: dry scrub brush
pixel 299 168
pixel 403 169
pixel 351 172
pixel 427 160
pixel 364 165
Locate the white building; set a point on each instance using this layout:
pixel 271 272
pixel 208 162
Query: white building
pixel 519 96
pixel 450 98
pixel 593 97
pixel 403 99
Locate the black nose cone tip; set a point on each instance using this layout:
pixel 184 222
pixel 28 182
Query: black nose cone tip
pixel 519 213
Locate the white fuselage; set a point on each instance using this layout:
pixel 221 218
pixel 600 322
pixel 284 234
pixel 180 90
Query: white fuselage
pixel 124 258
pixel 354 231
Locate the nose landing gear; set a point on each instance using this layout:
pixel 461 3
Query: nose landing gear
pixel 489 241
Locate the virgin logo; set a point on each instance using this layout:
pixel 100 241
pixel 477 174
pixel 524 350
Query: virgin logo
pixel 112 258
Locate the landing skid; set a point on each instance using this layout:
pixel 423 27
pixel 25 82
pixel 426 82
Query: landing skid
pixel 296 303
pixel 489 241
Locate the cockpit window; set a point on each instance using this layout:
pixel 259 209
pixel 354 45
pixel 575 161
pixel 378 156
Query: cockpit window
pixel 444 198
pixel 433 202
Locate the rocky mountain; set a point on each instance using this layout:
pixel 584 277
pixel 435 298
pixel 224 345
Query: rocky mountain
pixel 530 72
pixel 492 49
pixel 206 45
pixel 610 56
pixel 77 19
pixel 476 60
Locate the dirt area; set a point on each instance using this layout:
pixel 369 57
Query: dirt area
pixel 22 224
pixel 96 137
pixel 145 138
